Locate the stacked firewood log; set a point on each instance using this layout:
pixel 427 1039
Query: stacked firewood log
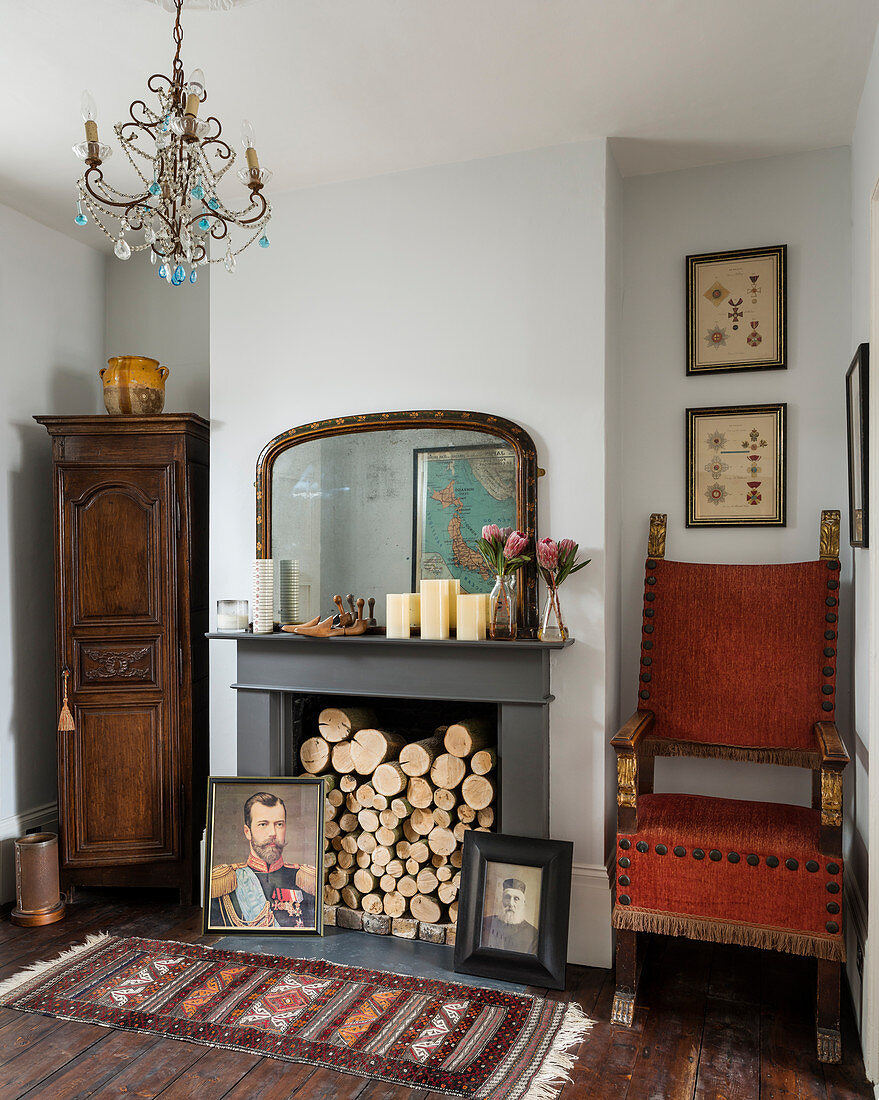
pixel 396 814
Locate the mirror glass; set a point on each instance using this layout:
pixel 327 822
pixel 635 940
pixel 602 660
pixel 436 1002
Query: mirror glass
pixel 374 512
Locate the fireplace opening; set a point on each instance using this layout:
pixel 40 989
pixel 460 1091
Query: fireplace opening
pixel 406 780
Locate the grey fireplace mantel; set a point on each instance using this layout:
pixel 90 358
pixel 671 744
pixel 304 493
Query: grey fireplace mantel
pixel 275 668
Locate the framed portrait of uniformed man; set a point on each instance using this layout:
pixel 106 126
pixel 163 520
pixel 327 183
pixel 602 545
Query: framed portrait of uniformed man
pixel 264 856
pixel 513 908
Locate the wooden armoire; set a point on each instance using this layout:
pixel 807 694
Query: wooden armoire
pixel 131 595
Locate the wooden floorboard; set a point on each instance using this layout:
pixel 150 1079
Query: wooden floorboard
pixel 711 1023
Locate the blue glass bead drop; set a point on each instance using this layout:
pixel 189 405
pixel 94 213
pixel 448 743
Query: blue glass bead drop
pixel 154 188
pixel 193 275
pixel 179 273
pixel 203 223
pixel 264 241
pixel 81 219
pixel 163 271
pixel 214 204
pixel 198 191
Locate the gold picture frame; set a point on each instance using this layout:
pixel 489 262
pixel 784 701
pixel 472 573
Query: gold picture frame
pixel 737 310
pixel 736 466
pixel 264 856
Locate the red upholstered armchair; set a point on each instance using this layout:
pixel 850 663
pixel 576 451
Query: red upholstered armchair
pixel 737 662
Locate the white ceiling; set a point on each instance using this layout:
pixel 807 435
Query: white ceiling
pixel 341 89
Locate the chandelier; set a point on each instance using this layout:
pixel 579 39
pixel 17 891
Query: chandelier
pixel 180 159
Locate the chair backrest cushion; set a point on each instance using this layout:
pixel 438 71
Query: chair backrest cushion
pixel 739 655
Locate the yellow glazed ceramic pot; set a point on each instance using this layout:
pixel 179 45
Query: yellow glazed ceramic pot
pixel 134 385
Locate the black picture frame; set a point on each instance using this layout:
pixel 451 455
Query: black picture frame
pixel 752 347
pixel 236 901
pixel 857 419
pixel 553 859
pixel 772 458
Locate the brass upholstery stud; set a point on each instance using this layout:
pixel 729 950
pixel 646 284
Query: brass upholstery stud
pixel 791 864
pixel 624 899
pixel 625 844
pixel 679 851
pixel 812 866
pixel 832 887
pixel 752 860
pixel 832 926
pixel 772 861
pixel 714 855
pixel 625 862
pixel 698 853
pixel 832 868
pixel 642 846
pixel 661 849
pixel 734 857
pixel 832 907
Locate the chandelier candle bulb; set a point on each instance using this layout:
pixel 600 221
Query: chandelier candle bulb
pixel 397 617
pixel 434 609
pixel 192 102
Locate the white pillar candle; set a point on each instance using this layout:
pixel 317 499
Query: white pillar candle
pixel 397 615
pixel 434 609
pixel 484 613
pixel 414 609
pixel 471 618
pixel 454 592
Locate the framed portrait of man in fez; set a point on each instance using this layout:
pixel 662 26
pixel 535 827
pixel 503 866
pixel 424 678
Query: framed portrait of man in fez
pixel 264 856
pixel 513 909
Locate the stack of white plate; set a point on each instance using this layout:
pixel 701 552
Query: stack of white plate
pixel 288 596
pixel 263 604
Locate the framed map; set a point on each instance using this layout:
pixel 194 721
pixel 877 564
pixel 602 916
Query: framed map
pixel 457 491
pixel 736 466
pixel 736 310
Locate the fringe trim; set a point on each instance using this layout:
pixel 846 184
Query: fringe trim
pixel 19 983
pixel 792 758
pixel 555 1070
pixel 744 935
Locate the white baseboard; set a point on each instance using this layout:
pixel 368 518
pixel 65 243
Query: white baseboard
pixel 44 818
pixel 589 936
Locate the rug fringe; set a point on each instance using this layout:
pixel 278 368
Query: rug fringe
pixel 12 987
pixel 556 1069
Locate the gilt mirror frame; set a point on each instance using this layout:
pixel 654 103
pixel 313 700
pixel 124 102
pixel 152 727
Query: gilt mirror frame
pixel 527 472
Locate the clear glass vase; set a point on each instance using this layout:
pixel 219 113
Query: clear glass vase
pixel 552 623
pixel 502 608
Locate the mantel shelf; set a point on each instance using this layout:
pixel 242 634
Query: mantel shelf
pixel 284 638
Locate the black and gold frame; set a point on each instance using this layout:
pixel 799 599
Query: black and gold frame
pixel 736 466
pixel 857 381
pixel 737 310
pixel 264 856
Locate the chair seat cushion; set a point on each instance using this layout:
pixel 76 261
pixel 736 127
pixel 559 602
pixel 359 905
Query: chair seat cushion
pixel 729 870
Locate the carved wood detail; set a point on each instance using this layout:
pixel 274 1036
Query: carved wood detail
pixel 656 538
pixel 829 541
pixel 831 797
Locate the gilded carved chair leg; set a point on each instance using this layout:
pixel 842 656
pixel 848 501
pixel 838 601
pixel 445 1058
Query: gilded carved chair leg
pixel 626 978
pixel 827 1014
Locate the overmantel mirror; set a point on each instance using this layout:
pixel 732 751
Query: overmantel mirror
pixel 371 504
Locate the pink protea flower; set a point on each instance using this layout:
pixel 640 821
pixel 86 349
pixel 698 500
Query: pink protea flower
pixel 567 547
pixel 505 534
pixel 491 533
pixel 515 545
pixel 548 554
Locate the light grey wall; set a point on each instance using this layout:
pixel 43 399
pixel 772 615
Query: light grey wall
pixel 478 285
pixel 865 174
pixel 148 316
pixel 801 201
pixel 51 346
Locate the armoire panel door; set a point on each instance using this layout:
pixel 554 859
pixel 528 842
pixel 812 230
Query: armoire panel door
pixel 116 545
pixel 116 785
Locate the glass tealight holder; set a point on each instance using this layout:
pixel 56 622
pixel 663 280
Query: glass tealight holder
pixel 232 615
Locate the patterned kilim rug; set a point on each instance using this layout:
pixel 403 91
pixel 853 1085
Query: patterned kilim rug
pixel 483 1044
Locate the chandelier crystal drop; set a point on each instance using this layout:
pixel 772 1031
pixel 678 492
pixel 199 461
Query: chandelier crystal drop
pixel 180 159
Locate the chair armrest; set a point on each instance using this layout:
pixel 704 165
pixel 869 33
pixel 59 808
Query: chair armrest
pixel 833 754
pixel 827 787
pixel 626 745
pixel 626 740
